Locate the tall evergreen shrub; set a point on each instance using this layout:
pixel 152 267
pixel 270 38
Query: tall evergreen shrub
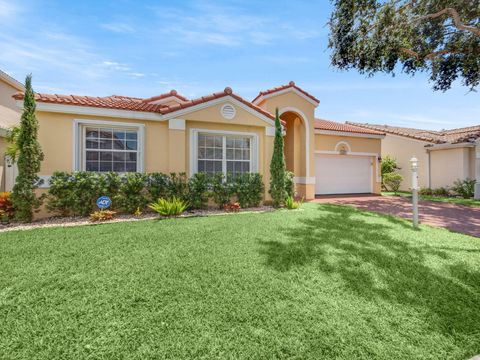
pixel 277 166
pixel 30 156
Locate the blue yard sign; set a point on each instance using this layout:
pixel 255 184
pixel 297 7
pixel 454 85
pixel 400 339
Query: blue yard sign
pixel 104 202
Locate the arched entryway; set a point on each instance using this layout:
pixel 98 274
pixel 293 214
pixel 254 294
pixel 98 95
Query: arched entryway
pixel 297 142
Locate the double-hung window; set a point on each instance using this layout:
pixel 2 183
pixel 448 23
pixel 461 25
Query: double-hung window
pixel 228 153
pixel 103 148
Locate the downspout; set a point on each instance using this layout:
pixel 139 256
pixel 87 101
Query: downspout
pixel 429 166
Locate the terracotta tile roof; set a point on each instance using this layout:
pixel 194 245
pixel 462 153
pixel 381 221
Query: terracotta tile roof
pixel 171 93
pixel 291 84
pixel 453 136
pixel 137 104
pixel 322 124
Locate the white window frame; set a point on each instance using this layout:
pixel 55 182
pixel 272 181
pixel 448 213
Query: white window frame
pixel 79 126
pixel 194 147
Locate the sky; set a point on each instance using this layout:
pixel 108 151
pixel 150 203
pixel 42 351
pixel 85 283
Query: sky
pixel 144 48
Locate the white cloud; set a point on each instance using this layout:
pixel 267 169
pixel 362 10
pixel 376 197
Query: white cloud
pixel 7 9
pixel 113 65
pixel 118 27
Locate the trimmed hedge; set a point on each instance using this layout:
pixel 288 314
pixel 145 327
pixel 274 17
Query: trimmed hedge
pixel 76 193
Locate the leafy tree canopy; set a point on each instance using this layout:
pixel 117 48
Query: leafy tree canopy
pixel 441 37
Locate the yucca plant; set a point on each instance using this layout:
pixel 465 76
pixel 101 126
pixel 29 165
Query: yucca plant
pixel 291 204
pixel 169 207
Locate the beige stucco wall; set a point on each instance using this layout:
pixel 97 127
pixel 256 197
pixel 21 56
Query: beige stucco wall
pixel 357 145
pixel 291 102
pixel 449 165
pixel 403 149
pixel 6 92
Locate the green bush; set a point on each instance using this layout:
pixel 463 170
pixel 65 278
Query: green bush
pixel 392 181
pixel 277 166
pixel 425 191
pixel 73 193
pixel 178 186
pixel 289 184
pixel 131 195
pixel 221 189
pixel 198 191
pixel 169 207
pixel 464 188
pixel 388 166
pixel 442 192
pixel 291 204
pixel 249 189
pixel 158 185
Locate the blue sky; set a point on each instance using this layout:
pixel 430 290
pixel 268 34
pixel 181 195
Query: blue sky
pixel 143 48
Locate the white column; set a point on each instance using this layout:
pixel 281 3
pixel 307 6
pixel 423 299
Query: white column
pixel 477 170
pixel 414 164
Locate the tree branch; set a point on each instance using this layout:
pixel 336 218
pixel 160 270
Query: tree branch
pixel 429 56
pixel 456 20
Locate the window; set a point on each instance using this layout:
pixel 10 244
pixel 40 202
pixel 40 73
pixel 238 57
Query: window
pixel 224 153
pixel 106 146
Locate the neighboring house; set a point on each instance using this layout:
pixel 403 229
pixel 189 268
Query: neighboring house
pixel 9 117
pixel 444 156
pixel 221 132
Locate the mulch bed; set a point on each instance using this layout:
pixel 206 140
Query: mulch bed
pixel 82 220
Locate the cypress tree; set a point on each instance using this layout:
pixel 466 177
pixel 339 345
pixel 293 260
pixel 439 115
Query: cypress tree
pixel 277 166
pixel 30 156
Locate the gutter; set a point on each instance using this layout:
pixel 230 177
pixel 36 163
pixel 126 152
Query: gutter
pixel 448 146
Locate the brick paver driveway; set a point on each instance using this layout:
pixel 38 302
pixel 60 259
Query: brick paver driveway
pixel 463 219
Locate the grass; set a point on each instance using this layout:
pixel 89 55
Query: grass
pixel 451 200
pixel 323 282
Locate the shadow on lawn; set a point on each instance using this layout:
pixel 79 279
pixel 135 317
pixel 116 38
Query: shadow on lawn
pixel 373 265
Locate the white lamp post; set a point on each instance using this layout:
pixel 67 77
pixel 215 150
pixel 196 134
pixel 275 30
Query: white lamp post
pixel 414 167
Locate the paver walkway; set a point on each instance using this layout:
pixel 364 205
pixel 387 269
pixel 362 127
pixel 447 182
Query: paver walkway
pixel 459 218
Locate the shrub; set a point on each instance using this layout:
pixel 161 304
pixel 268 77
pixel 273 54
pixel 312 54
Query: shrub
pixel 425 191
pixel 157 185
pixel 102 215
pixel 235 207
pixel 198 191
pixel 289 184
pixel 392 181
pixel 249 189
pixel 464 188
pixel 169 207
pixel 30 156
pixel 389 165
pixel 131 194
pixel 178 186
pixel 73 193
pixel 291 204
pixel 109 184
pixel 6 206
pixel 277 166
pixel 222 189
pixel 441 191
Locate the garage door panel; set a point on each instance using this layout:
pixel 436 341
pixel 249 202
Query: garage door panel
pixel 342 174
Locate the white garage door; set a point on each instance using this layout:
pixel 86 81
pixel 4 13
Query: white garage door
pixel 342 174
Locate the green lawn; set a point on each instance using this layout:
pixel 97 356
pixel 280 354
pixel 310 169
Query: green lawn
pixel 452 200
pixel 325 282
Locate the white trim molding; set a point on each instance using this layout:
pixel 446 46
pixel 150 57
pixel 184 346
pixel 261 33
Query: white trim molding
pixel 94 111
pixel 345 133
pixel 304 180
pixel 340 143
pixel 306 124
pixel 194 147
pixel 176 124
pixel 285 91
pixel 448 146
pixel 376 155
pixel 269 131
pixel 78 124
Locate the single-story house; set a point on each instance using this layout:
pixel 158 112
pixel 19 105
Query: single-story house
pixel 220 132
pixel 443 156
pixel 9 117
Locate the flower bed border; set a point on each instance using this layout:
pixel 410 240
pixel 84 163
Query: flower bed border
pixel 72 221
